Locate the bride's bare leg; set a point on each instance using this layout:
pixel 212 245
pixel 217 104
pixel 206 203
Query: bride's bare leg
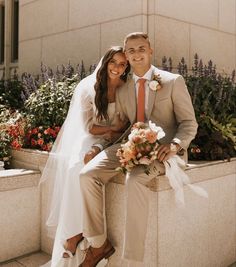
pixel 71 245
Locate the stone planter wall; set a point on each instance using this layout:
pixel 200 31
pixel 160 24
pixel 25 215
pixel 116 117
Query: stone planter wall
pixel 19 213
pixel 203 233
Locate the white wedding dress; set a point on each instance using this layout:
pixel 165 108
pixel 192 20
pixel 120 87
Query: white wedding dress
pixel 62 169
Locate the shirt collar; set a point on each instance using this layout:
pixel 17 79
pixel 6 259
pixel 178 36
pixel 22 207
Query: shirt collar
pixel 147 75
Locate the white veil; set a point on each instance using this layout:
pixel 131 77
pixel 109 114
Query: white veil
pixel 66 160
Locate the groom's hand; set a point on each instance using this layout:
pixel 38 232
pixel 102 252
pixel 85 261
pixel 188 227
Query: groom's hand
pixel 91 154
pixel 166 151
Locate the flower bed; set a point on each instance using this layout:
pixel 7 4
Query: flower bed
pixel 45 103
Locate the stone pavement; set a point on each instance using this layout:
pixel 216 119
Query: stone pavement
pixel 37 259
pixel 31 260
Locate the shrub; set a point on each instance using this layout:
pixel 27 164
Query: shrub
pixel 47 98
pixel 10 93
pixel 42 101
pixel 214 100
pixel 49 105
pixel 12 132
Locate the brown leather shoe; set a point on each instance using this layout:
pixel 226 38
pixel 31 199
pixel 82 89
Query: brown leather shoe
pixel 71 241
pixel 94 255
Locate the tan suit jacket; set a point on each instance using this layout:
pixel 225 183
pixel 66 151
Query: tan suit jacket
pixel 170 108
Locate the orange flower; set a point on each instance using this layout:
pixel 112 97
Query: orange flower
pixel 137 139
pixel 128 155
pixel 45 148
pixel 15 144
pixel 151 136
pixel 57 129
pixel 35 130
pixel 47 131
pixel 33 142
pixel 40 141
pixel 198 150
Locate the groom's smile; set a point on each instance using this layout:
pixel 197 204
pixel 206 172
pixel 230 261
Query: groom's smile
pixel 138 52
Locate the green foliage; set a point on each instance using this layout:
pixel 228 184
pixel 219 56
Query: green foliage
pixel 214 140
pixel 5 142
pixel 45 102
pixel 10 93
pixel 48 106
pixel 5 139
pixel 214 100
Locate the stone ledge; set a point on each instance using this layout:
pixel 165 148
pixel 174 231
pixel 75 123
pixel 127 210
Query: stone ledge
pixel 36 159
pixel 29 159
pixel 211 170
pixel 18 178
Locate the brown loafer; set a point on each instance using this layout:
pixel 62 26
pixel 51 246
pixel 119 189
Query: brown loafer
pixel 95 255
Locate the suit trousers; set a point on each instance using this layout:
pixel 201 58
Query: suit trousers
pixel 100 171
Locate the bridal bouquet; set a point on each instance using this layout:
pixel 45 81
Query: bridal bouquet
pixel 141 147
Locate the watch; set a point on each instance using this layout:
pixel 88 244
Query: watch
pixel 175 147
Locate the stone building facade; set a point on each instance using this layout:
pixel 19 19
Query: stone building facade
pixel 56 32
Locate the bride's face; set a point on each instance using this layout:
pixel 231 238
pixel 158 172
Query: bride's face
pixel 116 66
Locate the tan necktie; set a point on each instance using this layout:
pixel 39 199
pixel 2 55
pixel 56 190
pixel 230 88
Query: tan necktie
pixel 141 101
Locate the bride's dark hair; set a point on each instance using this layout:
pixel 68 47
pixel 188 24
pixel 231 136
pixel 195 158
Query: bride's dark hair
pixel 101 99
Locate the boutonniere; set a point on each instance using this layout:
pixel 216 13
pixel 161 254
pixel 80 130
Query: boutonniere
pixel 155 84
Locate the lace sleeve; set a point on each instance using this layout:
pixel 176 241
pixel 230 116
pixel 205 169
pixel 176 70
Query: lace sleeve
pixel 87 112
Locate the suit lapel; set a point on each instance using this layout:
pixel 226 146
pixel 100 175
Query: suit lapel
pixel 151 97
pixel 132 101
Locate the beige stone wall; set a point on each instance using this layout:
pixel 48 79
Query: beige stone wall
pixel 56 32
pixel 185 27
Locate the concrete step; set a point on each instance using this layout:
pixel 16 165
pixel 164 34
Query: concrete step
pixel 30 260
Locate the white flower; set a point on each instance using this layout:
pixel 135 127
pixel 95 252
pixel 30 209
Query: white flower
pixel 132 134
pixel 154 85
pixel 145 161
pixel 157 129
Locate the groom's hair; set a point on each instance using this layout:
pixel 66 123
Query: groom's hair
pixel 136 35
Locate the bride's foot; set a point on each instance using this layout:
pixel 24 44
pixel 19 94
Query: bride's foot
pixel 71 245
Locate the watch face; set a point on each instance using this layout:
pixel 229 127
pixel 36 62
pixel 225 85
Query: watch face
pixel 173 147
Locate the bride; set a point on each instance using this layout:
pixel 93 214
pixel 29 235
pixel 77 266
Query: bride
pixel 91 116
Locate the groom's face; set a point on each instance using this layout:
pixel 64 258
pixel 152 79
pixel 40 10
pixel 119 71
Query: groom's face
pixel 138 52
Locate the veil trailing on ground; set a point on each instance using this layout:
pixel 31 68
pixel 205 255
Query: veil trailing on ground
pixel 66 158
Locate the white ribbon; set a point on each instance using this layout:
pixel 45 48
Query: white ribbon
pixel 178 178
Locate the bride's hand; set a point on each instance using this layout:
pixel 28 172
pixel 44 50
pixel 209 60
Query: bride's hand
pixel 91 154
pixel 119 124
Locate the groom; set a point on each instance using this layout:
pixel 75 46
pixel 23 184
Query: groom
pixel 169 106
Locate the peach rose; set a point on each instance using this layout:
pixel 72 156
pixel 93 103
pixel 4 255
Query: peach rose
pixel 128 154
pixel 137 139
pixel 151 136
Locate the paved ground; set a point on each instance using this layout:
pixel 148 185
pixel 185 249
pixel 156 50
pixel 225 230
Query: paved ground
pixel 37 259
pixel 32 260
